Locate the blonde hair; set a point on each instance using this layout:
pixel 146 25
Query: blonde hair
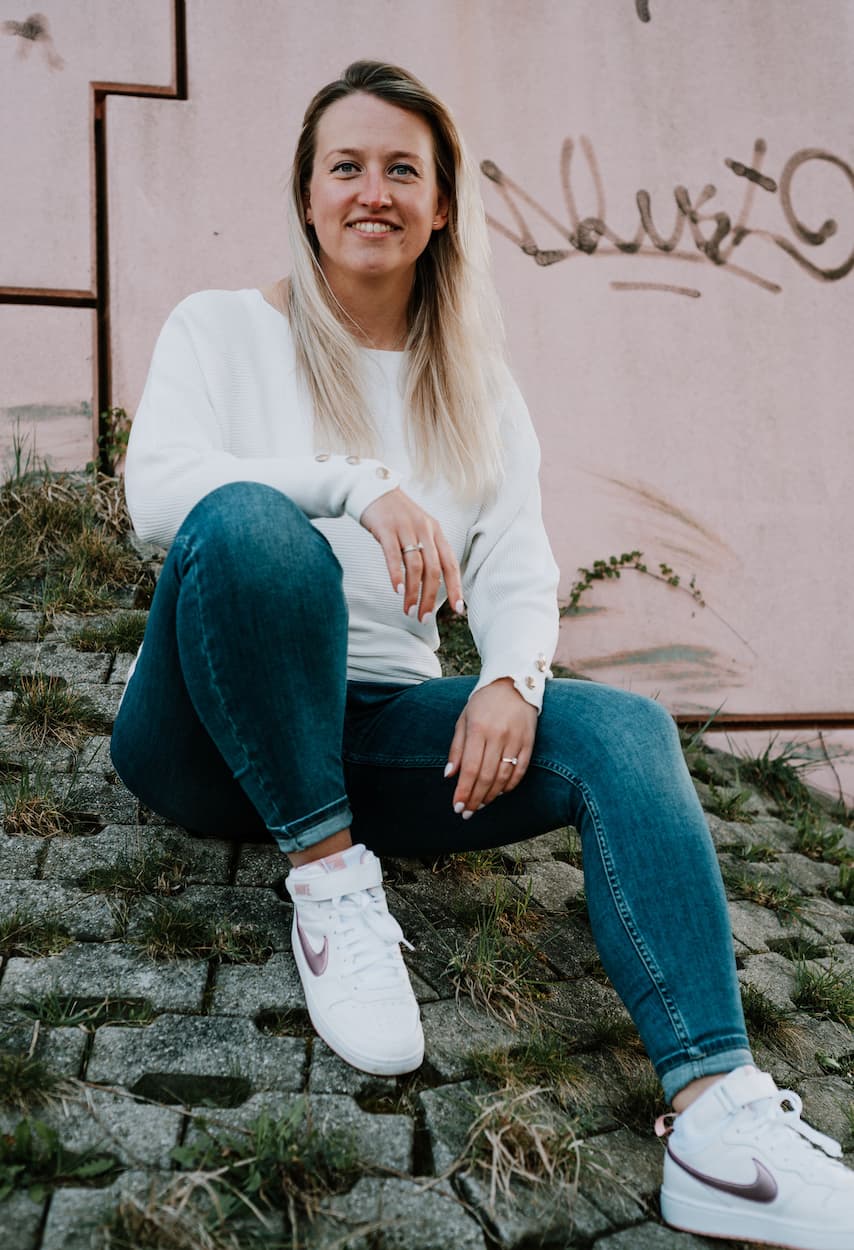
pixel 456 370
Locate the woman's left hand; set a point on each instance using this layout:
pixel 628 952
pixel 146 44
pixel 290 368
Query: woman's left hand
pixel 495 726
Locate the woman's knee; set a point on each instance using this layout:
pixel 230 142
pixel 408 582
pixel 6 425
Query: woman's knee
pixel 249 526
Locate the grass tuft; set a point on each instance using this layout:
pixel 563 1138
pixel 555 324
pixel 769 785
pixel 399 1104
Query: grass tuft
pixel 154 872
pixel 47 710
pixel 778 896
pixel 815 840
pixel 120 634
pixel 843 890
pixel 779 775
pixel 751 852
pixel 27 1083
pixel 518 1135
pixel 9 625
pixel 729 804
pixel 825 992
pixel 33 1158
pixel 545 1059
pixel 642 1103
pixel 170 932
pixel 64 1011
pixel 29 936
pixel 31 809
pixel 768 1023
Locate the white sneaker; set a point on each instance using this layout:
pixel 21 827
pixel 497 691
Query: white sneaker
pixel 742 1164
pixel 347 949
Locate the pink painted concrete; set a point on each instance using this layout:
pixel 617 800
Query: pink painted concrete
pixel 709 429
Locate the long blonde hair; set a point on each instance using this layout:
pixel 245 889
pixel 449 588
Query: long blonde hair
pixel 456 370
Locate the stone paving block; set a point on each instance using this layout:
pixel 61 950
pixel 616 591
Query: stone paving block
pixel 580 1007
pixel 93 756
pixel 105 698
pixel 829 1107
pixel 568 945
pixel 552 884
pixel 539 849
pixel 395 1214
pixel 840 958
pixel 620 1174
pixel 22 752
pixel 247 906
pixel 95 972
pixel 433 948
pixel 247 989
pixel 88 918
pixel 76 1215
pixel 455 1030
pixel 328 1074
pixel 773 975
pixel 121 668
pixel 655 1237
pixel 753 925
pixel 207 860
pixel 809 875
pixel 18 657
pixel 8 699
pixel 197 1046
pixel 379 1141
pixel 110 801
pixel 834 921
pixel 62 1049
pixel 530 1217
pixel 261 864
pixel 136 1134
pixel 77 668
pixel 19 855
pixel 20 1221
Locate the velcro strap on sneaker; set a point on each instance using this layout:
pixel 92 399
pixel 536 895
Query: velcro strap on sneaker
pixel 744 1086
pixel 329 885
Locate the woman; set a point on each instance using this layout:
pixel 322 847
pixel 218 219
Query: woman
pixel 329 461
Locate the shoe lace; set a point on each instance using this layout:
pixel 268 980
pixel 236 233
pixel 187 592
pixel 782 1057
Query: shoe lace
pixel 372 938
pixel 783 1112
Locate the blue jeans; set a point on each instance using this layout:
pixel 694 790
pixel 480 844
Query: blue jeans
pixel 239 720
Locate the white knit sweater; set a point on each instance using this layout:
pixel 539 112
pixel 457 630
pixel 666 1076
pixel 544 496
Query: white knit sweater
pixel 222 404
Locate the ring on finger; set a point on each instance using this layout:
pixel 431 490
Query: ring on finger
pixel 411 547
pixel 510 759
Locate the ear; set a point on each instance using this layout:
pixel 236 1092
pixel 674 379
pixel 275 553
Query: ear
pixel 306 207
pixel 440 218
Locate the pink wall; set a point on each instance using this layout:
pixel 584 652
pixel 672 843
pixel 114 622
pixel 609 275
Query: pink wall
pixel 707 425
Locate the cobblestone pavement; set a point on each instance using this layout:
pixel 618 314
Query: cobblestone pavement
pixel 148 1044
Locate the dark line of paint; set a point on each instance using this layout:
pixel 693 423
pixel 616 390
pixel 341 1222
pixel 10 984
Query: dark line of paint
pixel 642 7
pixel 656 286
pixel 752 175
pixel 767 720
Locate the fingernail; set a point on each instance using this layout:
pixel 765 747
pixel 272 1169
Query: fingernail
pixel 426 618
pixel 459 606
pixel 449 768
pixel 467 815
pixel 413 611
pixel 458 807
pixel 401 588
pixel 481 807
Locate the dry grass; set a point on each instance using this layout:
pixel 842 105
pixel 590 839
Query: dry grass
pixel 47 709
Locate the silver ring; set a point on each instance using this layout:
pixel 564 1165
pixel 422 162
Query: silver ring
pixel 412 547
pixel 510 759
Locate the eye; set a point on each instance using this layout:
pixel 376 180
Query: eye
pixel 344 167
pixel 403 170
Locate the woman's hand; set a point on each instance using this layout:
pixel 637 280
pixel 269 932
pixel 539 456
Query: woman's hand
pixel 397 523
pixel 495 726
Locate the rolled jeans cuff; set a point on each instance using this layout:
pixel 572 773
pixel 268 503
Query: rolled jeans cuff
pixel 709 1065
pixel 303 833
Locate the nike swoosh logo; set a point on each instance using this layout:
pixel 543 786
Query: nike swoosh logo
pixel 316 960
pixel 762 1189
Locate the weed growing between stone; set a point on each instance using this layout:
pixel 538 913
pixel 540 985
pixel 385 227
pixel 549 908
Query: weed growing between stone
pixel 33 1158
pixel 283 1164
pixel 177 933
pixel 843 890
pixel 27 1083
pixel 31 808
pixel 64 1011
pixel 642 1103
pixel 153 872
pixel 30 936
pixel 780 775
pixel 825 992
pixel 815 840
pixel 751 852
pixel 496 966
pixel 729 804
pixel 544 1060
pixel 47 709
pixel 120 634
pixel 770 1024
pixel 9 626
pixel 778 896
pixel 520 1136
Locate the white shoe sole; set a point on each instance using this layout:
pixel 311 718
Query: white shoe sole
pixel 743 1225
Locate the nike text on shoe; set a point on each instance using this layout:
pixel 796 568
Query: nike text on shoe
pixel 741 1164
pixel 347 949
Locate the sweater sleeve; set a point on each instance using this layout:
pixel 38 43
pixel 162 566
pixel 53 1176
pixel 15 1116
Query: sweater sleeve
pixel 510 578
pixel 178 450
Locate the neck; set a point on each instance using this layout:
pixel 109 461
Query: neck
pixel 374 310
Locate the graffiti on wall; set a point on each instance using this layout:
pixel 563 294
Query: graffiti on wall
pixel 33 30
pixel 642 9
pixel 713 236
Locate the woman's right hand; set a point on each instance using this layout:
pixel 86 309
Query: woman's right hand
pixel 397 522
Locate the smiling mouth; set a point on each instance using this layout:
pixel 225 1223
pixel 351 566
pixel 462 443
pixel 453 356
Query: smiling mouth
pixel 372 227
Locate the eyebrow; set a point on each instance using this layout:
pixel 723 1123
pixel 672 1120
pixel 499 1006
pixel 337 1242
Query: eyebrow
pixel 389 156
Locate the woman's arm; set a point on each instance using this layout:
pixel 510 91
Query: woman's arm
pixel 177 452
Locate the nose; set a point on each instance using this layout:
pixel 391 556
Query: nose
pixel 374 192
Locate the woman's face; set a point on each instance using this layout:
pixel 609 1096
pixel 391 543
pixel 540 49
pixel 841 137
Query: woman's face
pixel 373 198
